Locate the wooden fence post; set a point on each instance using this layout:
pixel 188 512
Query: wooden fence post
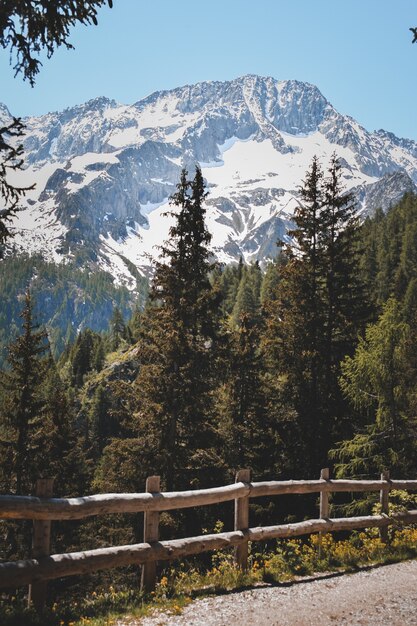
pixel 324 495
pixel 324 502
pixel 383 499
pixel 150 534
pixel 41 544
pixel 242 520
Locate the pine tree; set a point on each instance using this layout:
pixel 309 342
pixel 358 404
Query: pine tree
pixel 177 345
pixel 312 321
pixel 98 356
pixel 86 354
pixel 22 404
pixel 343 291
pixel 118 331
pixel 344 303
pixel 294 318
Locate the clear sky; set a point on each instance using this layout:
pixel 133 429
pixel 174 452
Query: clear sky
pixel 358 52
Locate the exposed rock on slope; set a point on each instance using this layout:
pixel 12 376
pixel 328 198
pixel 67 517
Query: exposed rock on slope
pixel 105 171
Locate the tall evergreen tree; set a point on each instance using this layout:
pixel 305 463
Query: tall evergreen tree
pixel 21 402
pixel 313 320
pixel 118 330
pixel 344 303
pixel 294 318
pixel 37 435
pixel 343 291
pixel 177 344
pixel 86 354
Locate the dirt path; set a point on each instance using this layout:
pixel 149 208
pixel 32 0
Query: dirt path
pixel 377 597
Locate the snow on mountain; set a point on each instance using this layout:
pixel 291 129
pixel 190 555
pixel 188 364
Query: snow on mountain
pixel 104 171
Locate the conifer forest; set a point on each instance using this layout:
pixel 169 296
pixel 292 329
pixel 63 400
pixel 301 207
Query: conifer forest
pixel 305 363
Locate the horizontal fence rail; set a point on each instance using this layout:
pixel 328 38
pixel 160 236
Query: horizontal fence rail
pixel 29 507
pixel 42 510
pixel 73 563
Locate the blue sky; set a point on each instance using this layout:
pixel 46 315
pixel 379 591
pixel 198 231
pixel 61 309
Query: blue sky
pixel 358 52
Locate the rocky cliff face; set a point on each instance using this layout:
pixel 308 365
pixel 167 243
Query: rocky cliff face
pixel 104 171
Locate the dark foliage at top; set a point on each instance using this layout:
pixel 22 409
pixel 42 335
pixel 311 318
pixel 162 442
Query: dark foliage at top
pixel 27 27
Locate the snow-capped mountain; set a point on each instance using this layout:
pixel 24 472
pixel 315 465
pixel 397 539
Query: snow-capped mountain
pixel 104 171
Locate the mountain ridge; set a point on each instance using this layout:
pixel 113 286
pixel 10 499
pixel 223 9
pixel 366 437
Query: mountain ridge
pixel 105 170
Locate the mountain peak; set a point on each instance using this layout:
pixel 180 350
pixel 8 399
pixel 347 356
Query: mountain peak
pixel 105 171
pixel 100 104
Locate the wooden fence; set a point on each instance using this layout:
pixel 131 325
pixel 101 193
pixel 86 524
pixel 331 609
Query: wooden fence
pixel 43 509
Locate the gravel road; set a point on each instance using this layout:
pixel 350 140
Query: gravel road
pixel 381 596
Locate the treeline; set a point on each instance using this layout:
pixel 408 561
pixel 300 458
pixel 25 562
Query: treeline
pixel 308 363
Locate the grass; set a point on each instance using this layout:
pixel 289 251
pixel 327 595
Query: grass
pixel 178 585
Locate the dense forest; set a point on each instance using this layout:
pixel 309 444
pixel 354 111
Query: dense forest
pixel 65 298
pixel 305 363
